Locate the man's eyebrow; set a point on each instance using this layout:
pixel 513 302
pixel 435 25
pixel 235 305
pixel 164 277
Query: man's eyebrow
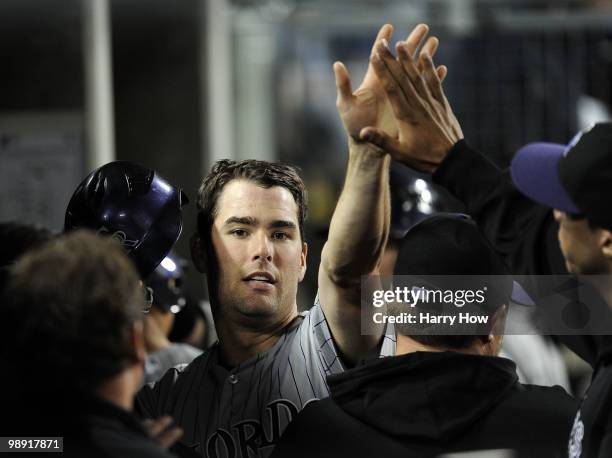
pixel 283 224
pixel 246 220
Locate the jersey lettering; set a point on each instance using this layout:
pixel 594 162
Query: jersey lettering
pixel 250 435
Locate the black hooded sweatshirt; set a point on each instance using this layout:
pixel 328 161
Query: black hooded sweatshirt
pixel 524 234
pixel 426 404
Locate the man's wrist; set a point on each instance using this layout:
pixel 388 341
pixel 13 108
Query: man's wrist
pixel 365 149
pixel 441 155
pixel 459 170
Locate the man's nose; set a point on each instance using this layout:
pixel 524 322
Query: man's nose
pixel 558 215
pixel 262 248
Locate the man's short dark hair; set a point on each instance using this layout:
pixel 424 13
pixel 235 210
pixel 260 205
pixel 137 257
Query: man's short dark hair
pixel 451 342
pixel 263 173
pixel 67 325
pixel 465 337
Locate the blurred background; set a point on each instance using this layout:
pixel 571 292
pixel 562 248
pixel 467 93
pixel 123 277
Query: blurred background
pixel 176 85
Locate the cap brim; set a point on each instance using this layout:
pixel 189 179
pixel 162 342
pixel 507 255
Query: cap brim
pixel 534 172
pixel 520 296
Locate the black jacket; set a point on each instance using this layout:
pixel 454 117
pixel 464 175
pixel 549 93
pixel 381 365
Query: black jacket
pixel 91 427
pixel 425 404
pixel 525 235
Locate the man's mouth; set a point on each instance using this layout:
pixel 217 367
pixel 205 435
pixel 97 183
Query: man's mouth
pixel 260 277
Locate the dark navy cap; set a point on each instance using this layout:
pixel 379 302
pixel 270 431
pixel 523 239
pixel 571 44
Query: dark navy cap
pixel 450 244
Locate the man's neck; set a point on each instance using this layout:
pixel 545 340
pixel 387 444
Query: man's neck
pixel 119 389
pixel 239 343
pixel 405 345
pixel 603 284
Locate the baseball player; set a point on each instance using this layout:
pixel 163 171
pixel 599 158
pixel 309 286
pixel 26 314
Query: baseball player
pixel 237 398
pixel 166 281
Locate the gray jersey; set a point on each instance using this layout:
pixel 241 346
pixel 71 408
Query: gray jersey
pixel 158 362
pixel 242 412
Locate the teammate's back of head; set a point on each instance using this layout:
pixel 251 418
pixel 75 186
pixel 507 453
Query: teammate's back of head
pixel 71 314
pixel 449 250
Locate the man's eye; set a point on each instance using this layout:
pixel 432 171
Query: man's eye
pixel 280 236
pixel 239 232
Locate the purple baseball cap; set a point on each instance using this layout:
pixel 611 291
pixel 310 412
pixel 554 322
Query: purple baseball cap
pixel 575 178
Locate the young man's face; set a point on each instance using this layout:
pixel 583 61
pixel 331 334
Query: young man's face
pixel 260 254
pixel 580 245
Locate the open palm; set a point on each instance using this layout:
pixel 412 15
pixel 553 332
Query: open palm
pixel 368 105
pixel 427 126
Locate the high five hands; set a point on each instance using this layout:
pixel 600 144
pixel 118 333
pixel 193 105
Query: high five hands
pixel 400 106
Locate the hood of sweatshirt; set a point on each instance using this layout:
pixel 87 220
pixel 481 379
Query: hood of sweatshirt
pixel 424 395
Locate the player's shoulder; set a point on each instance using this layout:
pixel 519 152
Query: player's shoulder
pixel 183 370
pixel 308 324
pixel 555 396
pixel 306 333
pixel 314 316
pixel 543 402
pixel 157 398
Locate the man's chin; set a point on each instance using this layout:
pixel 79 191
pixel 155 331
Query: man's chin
pixel 260 308
pixel 571 268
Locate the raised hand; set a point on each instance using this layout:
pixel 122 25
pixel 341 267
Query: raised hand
pixel 426 125
pixel 368 105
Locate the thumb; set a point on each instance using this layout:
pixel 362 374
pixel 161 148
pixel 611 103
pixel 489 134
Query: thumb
pixel 380 139
pixel 343 83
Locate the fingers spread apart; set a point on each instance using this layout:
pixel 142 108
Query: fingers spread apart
pixel 402 92
pixel 432 78
pixel 343 83
pixel 415 38
pixel 385 33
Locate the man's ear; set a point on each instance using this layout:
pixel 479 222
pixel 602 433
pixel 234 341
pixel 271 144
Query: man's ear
pixel 605 242
pixel 496 335
pixel 138 343
pixel 303 260
pixel 198 253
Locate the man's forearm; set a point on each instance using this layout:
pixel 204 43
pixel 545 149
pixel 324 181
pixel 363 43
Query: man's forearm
pixel 360 224
pixel 522 232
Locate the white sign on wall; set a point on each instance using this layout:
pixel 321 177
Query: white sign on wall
pixel 39 171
